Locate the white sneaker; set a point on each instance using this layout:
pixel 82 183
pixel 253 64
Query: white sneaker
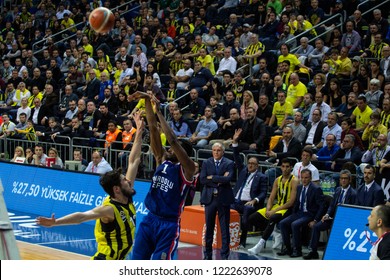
pixel 258 247
pixel 277 239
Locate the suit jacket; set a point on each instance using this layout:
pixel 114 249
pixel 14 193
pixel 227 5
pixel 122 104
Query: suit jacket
pixel 92 89
pixel 41 115
pixel 258 132
pixel 374 197
pixel 315 203
pixel 350 198
pixel 293 150
pixel 356 156
pixel 318 134
pixel 220 182
pixel 259 184
pixel 382 67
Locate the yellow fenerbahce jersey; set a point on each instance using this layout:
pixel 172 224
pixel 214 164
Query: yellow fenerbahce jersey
pixel 282 196
pixel 115 239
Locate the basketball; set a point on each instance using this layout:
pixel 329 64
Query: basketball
pixel 102 20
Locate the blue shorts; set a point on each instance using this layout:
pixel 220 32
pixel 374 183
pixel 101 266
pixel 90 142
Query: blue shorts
pixel 156 239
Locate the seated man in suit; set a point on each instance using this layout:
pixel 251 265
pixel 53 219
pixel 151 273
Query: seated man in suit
pixel 253 132
pixel 347 152
pixel 288 146
pixel 217 196
pixel 345 194
pixel 314 130
pixel 370 194
pixel 250 190
pixel 307 210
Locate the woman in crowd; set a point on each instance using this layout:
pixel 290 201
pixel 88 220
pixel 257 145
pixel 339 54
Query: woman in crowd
pixel 335 95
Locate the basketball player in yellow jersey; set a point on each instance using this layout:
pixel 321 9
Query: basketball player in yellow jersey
pixel 115 218
pixel 284 190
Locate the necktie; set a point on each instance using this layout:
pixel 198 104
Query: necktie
pixel 242 187
pixel 216 167
pixel 341 197
pixel 303 197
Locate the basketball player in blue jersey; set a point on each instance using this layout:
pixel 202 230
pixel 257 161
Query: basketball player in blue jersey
pixel 115 218
pixel 158 234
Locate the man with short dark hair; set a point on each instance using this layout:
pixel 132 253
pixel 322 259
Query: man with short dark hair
pixel 345 194
pixel 307 210
pixel 370 194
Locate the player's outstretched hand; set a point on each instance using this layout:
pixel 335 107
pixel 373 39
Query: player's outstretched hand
pixel 137 116
pixel 47 222
pixel 140 94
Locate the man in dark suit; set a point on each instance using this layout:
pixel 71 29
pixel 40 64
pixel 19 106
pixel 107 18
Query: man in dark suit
pixel 288 146
pixel 250 189
pixel 37 115
pixel 216 175
pixel 92 88
pixel 314 129
pixel 307 210
pixel 348 152
pixel 370 194
pixel 343 195
pixel 253 132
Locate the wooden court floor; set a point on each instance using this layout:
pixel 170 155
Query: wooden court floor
pixel 29 251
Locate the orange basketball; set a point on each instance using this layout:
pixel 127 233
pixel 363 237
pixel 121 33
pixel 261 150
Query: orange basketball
pixel 102 20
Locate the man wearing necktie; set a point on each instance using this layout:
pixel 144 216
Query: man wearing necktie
pixel 216 175
pixel 307 210
pixel 370 193
pixel 250 190
pixel 345 194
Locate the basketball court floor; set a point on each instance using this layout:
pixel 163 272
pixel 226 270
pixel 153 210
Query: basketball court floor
pixel 77 242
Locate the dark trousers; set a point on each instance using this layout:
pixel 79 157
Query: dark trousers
pixel 316 231
pixel 224 221
pixel 293 225
pixel 245 212
pixel 265 225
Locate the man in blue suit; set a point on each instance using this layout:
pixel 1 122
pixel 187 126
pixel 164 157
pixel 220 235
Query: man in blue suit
pixel 216 175
pixel 370 194
pixel 250 190
pixel 343 195
pixel 307 210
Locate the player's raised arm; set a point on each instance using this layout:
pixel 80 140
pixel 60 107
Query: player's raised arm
pixel 186 162
pixel 155 140
pixel 135 154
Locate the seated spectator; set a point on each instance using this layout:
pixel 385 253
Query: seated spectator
pixel 316 56
pixel 345 109
pixel 373 96
pixel 98 164
pixel 54 128
pixel 298 128
pixel 78 156
pixel 7 128
pixel 19 156
pixel 331 128
pixel 281 110
pixel 305 48
pixel 305 163
pixel 53 153
pixel 362 113
pixel 39 157
pixel 179 127
pixel 204 129
pixel 346 126
pixel 23 109
pixel 314 130
pixel 295 91
pixel 373 129
pixel 324 155
pixel 320 105
pixel 348 152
